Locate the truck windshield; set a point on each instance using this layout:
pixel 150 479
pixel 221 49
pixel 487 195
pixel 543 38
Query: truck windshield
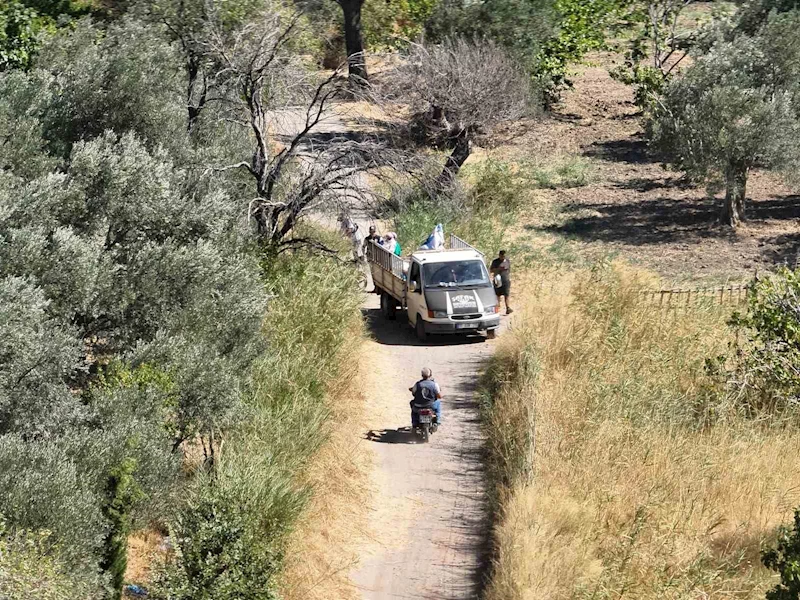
pixel 455 274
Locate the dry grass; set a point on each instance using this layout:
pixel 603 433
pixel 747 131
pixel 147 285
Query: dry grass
pixel 321 549
pixel 641 480
pixel 145 549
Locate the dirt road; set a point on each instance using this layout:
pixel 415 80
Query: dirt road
pixel 429 520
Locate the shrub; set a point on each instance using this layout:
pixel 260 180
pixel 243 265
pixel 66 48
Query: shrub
pixel 569 172
pixel 760 370
pixel 219 555
pixel 785 559
pixel 30 569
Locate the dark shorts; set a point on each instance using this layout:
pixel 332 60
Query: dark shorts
pixel 504 289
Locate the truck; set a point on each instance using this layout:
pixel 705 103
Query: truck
pixel 445 291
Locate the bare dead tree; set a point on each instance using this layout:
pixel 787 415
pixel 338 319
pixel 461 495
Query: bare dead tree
pixel 466 87
pixel 294 169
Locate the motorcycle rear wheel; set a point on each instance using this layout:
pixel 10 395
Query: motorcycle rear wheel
pixel 426 433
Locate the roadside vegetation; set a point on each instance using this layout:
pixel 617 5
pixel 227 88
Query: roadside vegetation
pixel 171 347
pixel 644 452
pixel 624 459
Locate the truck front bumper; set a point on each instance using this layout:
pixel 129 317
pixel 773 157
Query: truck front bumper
pixel 444 326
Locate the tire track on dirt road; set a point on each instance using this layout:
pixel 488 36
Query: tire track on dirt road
pixel 429 521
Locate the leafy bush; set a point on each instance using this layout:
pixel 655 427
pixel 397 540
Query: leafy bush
pixel 570 172
pixel 761 369
pixel 20 28
pixel 785 559
pixel 30 569
pixel 218 555
pixel 486 201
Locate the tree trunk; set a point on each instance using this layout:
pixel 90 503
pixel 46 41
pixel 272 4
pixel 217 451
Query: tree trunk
pixel 457 158
pixel 735 190
pixel 354 43
pixel 195 102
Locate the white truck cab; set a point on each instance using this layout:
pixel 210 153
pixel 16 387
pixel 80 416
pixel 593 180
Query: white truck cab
pixel 446 291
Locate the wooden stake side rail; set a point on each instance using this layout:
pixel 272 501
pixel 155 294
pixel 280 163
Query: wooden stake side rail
pixel 456 243
pixel 678 298
pixel 377 254
pixel 387 271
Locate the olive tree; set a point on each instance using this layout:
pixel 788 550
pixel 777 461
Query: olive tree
pixel 734 109
pixel 466 88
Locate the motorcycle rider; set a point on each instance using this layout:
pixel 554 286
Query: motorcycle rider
pixel 426 394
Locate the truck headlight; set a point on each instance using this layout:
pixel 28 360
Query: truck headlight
pixel 437 314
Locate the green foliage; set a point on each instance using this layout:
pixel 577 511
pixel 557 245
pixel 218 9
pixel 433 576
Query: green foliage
pixel 519 26
pixel 395 23
pixel 218 555
pixel 735 107
pixel 648 82
pixel 30 569
pixel 785 559
pixel 570 172
pixel 491 195
pixel 120 257
pixel 122 493
pixel 125 78
pixel 546 36
pixel 582 28
pixel 24 24
pixel 752 15
pixel 20 29
pixel 761 371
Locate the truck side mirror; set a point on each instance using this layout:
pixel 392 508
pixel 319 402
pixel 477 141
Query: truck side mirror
pixel 412 286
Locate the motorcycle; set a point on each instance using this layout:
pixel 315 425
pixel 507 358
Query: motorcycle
pixel 426 422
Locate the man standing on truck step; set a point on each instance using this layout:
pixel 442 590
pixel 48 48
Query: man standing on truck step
pixel 501 269
pixel 373 236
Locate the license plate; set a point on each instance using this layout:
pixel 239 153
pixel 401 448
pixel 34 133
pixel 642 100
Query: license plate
pixel 466 325
pixel 426 418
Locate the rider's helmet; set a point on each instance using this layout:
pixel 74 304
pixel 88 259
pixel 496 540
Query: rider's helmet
pixel 426 373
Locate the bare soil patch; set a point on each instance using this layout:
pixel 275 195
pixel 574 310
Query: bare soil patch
pixel 637 208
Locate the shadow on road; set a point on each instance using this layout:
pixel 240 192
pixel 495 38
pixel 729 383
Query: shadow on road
pixel 398 332
pixel 402 435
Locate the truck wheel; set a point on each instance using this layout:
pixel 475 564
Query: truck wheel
pixel 388 307
pixel 420 329
pixel 491 334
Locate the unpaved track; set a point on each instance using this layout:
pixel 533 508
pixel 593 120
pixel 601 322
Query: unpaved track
pixel 429 520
